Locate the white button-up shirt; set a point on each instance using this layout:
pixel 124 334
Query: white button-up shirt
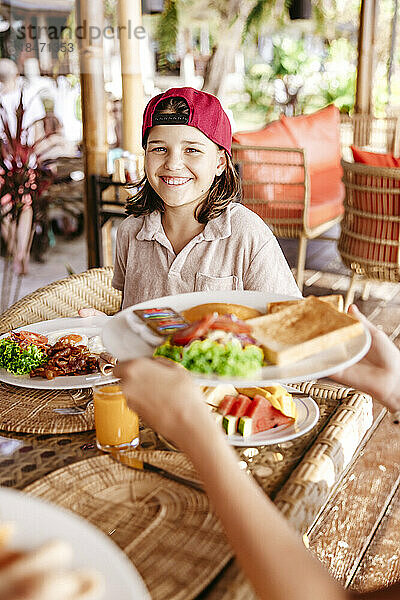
pixel 235 251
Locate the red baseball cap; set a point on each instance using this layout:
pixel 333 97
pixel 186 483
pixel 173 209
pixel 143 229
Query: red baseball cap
pixel 205 113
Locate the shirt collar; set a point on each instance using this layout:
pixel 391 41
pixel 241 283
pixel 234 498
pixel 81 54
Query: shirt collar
pixel 216 229
pixel 151 226
pixel 219 228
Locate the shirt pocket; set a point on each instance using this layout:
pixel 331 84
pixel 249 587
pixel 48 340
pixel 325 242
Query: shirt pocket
pixel 208 283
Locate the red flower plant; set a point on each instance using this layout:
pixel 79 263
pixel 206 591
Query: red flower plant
pixel 24 175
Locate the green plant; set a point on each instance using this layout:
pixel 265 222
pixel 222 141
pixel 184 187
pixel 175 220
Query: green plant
pixel 24 176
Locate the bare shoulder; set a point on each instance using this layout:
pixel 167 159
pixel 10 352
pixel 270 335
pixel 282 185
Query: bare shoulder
pixel 248 222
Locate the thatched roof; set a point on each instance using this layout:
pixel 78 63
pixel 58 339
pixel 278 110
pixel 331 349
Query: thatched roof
pixel 64 6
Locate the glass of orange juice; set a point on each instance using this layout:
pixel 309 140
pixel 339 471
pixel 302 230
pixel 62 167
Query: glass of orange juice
pixel 117 426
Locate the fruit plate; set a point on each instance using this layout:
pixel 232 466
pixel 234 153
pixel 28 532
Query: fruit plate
pixel 124 344
pixel 307 417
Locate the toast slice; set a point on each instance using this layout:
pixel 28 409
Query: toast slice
pixel 336 300
pixel 303 329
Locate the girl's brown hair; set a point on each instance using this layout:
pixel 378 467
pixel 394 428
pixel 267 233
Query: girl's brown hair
pixel 224 189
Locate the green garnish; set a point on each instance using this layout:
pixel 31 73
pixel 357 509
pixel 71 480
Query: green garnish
pixel 207 356
pixel 20 361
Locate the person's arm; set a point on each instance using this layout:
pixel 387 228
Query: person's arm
pixel 378 373
pixel 270 552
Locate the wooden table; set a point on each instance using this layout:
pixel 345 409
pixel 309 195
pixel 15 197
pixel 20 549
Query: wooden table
pixel 301 475
pixel 311 480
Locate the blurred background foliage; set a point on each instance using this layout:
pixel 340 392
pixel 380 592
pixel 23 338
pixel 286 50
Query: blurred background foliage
pixel 290 66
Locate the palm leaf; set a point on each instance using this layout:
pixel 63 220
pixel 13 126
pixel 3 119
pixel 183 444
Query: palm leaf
pixel 258 15
pixel 167 32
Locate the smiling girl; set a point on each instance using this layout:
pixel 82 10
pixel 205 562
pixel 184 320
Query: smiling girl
pixel 186 231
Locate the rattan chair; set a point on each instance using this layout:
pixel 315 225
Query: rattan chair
pixel 378 134
pixel 370 233
pixel 276 185
pixel 63 298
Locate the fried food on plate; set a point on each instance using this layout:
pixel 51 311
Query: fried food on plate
pixel 222 308
pixel 303 329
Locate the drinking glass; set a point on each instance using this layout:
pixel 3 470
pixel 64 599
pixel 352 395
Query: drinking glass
pixel 117 426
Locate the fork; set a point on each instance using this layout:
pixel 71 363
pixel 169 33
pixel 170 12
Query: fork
pixel 78 409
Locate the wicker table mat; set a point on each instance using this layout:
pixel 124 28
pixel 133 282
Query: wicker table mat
pixel 320 457
pixel 28 410
pixel 154 520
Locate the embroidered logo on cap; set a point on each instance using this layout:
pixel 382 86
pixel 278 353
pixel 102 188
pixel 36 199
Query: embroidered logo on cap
pixel 170 119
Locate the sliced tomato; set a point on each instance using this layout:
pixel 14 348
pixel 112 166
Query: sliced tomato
pixel 225 323
pixel 29 337
pixel 193 331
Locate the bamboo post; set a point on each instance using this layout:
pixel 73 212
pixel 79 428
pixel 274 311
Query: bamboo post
pixel 131 34
pixel 90 25
pixel 366 54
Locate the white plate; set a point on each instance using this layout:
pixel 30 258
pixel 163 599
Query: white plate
pixel 89 326
pixel 307 417
pixel 37 521
pixel 124 344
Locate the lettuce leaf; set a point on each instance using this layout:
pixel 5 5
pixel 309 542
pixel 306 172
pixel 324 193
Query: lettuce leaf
pixel 20 361
pixel 209 357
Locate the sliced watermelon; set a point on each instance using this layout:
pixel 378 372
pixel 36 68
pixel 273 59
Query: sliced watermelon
pixel 241 405
pixel 226 404
pixel 245 426
pixel 265 416
pixel 229 423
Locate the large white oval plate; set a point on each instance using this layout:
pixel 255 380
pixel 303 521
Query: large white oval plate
pixel 124 344
pixel 89 326
pixel 37 521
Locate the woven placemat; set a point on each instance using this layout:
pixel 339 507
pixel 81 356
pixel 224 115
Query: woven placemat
pixel 167 529
pixel 26 410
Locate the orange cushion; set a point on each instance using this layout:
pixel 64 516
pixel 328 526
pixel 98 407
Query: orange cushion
pixel 319 135
pixel 274 134
pixel 265 186
pixel 374 159
pixel 326 202
pixel 327 186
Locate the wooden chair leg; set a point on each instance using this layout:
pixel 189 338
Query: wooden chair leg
pixel 301 262
pixel 366 290
pixel 350 292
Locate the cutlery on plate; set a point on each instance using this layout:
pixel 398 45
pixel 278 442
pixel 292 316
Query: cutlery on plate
pixel 141 465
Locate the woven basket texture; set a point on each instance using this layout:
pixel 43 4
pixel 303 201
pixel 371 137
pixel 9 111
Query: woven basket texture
pixel 28 410
pixel 64 298
pixel 370 233
pixel 167 529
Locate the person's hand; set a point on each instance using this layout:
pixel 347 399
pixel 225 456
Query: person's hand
pixel 90 312
pixel 165 396
pixel 378 373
